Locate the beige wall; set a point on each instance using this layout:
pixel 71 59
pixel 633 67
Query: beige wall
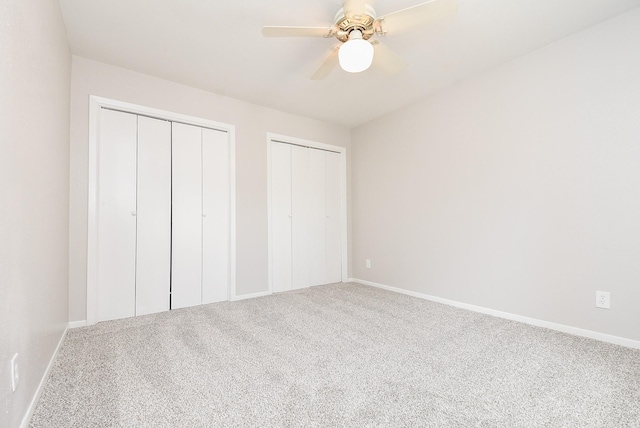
pixel 35 66
pixel 517 190
pixel 252 123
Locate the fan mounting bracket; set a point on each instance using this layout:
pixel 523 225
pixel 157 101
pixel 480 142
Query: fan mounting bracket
pixel 345 24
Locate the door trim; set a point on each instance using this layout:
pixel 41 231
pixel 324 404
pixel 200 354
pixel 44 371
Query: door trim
pixel 95 104
pixel 342 151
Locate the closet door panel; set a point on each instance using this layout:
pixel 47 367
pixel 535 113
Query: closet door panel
pixel 333 223
pixel 186 266
pixel 153 260
pixel 215 216
pixel 116 218
pixel 281 216
pixel 317 245
pixel 300 248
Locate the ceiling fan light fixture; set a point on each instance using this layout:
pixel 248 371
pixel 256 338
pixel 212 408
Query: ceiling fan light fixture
pixel 356 54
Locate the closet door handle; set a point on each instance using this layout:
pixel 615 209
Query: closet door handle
pixel 133 213
pixel 204 214
pixel 290 216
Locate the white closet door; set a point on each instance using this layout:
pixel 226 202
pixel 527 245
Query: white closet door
pixel 117 210
pixel 153 250
pixel 186 266
pixel 215 216
pixel 300 216
pixel 281 216
pixel 333 213
pixel 317 243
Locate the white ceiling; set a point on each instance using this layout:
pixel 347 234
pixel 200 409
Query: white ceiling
pixel 217 45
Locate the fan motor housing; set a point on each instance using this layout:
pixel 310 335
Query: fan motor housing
pixel 345 24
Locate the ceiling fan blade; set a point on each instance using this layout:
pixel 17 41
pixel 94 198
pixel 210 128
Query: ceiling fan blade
pixel 431 12
pixel 298 31
pixel 327 65
pixel 354 7
pixel 387 59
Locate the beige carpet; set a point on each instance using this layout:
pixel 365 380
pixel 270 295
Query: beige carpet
pixel 336 355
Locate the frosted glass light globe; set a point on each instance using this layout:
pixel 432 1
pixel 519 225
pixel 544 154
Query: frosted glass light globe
pixel 356 54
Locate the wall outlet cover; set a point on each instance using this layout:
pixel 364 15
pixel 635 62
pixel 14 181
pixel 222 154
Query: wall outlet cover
pixel 15 374
pixel 603 299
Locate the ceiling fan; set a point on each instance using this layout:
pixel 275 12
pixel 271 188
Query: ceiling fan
pixel 355 25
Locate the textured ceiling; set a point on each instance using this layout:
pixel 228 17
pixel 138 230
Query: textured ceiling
pixel 217 45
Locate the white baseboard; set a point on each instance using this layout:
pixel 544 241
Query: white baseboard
pixel 251 296
pixel 34 401
pixel 77 324
pixel 629 343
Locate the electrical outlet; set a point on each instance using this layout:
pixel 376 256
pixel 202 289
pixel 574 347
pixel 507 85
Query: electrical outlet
pixel 15 374
pixel 603 299
pixel 367 263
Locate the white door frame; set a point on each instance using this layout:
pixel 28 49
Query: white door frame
pixel 95 104
pixel 271 137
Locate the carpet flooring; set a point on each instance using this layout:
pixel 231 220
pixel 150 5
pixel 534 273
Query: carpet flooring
pixel 340 355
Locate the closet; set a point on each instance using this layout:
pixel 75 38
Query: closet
pixel 163 217
pixel 306 245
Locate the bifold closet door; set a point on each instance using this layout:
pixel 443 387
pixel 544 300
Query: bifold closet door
pixel 280 216
pixel 134 219
pixel 117 210
pixel 186 229
pixel 306 246
pixel 324 247
pixel 215 216
pixel 333 200
pixel 300 236
pixel 163 215
pixel 317 217
pixel 201 224
pixel 153 248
